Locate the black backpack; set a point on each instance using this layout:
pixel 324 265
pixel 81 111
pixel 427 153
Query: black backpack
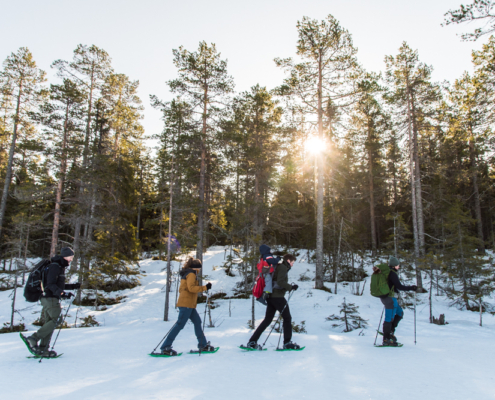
pixel 33 289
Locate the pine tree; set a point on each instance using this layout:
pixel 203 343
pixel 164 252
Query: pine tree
pixel 350 319
pixel 203 82
pixel 321 79
pixel 21 80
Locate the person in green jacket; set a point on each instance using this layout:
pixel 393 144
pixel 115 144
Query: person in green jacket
pixel 277 302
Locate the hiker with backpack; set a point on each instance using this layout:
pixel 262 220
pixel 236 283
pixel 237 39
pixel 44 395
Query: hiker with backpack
pixel 386 285
pixel 188 300
pixel 266 267
pixel 53 289
pixel 277 302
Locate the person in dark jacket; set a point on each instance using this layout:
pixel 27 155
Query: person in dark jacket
pixel 54 289
pixel 188 300
pixel 277 302
pixel 393 312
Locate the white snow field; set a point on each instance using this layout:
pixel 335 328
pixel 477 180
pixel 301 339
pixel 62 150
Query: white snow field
pixel 452 362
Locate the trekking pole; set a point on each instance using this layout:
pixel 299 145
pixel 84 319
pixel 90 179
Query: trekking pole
pixel 374 344
pixel 204 317
pixel 283 309
pixel 414 318
pixel 58 333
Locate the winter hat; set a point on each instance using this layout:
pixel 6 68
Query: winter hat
pixel 393 262
pixel 66 252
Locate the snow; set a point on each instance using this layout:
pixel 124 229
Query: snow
pixel 111 362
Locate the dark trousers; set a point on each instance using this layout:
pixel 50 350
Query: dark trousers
pixel 274 305
pixel 51 314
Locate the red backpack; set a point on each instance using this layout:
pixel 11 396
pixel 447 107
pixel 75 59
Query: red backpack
pixel 259 283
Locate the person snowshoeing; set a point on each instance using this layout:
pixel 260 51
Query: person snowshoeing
pixel 188 299
pixel 277 302
pixel 393 312
pixel 54 289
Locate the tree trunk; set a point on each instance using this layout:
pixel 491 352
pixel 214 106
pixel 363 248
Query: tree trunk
pixel 414 201
pixel 477 203
pixel 319 199
pixel 372 200
pixel 60 188
pixel 8 173
pixel 202 172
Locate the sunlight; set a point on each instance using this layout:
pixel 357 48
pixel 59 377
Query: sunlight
pixel 314 145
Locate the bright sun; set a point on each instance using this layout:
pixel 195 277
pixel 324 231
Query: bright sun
pixel 314 145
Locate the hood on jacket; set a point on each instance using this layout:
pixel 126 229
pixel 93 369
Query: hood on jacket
pixel 186 271
pixel 58 259
pixel 264 249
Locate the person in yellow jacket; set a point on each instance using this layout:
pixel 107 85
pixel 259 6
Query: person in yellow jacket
pixel 188 299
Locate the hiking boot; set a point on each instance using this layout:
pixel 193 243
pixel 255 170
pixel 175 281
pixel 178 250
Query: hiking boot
pixel 254 345
pixel 392 336
pixel 168 351
pixel 389 342
pixel 206 347
pixel 46 353
pixel 291 346
pixel 33 342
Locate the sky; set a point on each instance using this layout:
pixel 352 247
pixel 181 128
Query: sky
pixel 140 35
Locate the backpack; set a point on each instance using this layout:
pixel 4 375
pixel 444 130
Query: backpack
pixel 34 284
pixel 259 285
pixel 379 281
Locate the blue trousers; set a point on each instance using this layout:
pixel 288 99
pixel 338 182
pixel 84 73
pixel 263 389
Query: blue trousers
pixel 392 308
pixel 186 314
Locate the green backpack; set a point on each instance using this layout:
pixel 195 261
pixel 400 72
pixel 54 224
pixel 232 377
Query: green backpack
pixel 379 281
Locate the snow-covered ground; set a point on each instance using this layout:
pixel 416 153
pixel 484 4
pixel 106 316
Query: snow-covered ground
pixel 111 361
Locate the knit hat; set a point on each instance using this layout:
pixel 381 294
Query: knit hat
pixel 393 262
pixel 66 252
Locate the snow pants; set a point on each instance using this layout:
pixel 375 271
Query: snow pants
pixel 393 315
pixel 51 314
pixel 186 314
pixel 275 304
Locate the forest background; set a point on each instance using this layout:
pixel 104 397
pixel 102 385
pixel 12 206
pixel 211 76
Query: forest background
pixel 330 157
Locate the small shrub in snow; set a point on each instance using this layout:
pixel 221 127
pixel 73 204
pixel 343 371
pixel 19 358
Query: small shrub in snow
pixel 301 328
pixel 88 322
pixel 16 328
pixel 350 319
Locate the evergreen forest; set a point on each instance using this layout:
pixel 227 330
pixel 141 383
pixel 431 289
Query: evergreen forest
pixel 334 159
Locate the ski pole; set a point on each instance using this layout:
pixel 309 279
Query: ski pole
pixel 204 317
pixel 283 309
pixel 414 317
pixel 379 326
pixel 58 333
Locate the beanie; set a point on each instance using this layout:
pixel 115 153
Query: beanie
pixel 393 262
pixel 66 252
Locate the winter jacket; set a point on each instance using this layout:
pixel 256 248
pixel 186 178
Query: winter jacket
pixel 266 254
pixel 281 279
pixel 394 283
pixel 54 278
pixel 189 289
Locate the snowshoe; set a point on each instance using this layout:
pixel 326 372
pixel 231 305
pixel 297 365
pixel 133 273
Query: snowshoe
pixel 291 346
pixel 168 351
pixel 33 350
pixel 392 336
pixel 389 343
pixel 206 348
pixel 252 346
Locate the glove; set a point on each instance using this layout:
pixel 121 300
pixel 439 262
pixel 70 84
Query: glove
pixel 66 296
pixel 414 287
pixel 266 296
pixel 295 287
pixel 208 286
